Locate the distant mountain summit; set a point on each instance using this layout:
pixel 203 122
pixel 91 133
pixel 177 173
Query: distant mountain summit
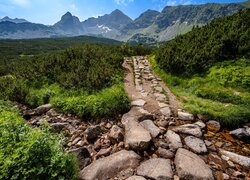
pixel 16 20
pixel 69 25
pixel 151 26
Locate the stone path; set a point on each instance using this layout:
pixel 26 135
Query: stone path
pixel 154 140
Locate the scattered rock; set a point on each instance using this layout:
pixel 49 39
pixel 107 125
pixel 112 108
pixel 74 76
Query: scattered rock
pixel 156 168
pixel 83 156
pixel 162 105
pixel 92 133
pixel 108 167
pixel 242 160
pixel 58 127
pixel 151 127
pixel 213 126
pixel 173 139
pixel 166 111
pixel 189 129
pixel 136 137
pixel 185 116
pixel 138 102
pixel 195 144
pixel 104 152
pixel 42 109
pixel 164 153
pixel 136 178
pixel 191 166
pixel 76 140
pixel 200 124
pixel 241 133
pixel 138 114
pixel 116 133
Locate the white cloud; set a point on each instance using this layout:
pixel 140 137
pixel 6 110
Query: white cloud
pixel 123 2
pixel 22 3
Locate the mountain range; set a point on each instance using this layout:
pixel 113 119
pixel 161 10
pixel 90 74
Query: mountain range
pixel 150 26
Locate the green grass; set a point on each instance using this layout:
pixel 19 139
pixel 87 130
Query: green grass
pixel 221 94
pixel 31 153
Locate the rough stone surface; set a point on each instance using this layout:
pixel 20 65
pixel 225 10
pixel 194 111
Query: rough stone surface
pixel 195 144
pixel 213 126
pixel 116 133
pixel 93 132
pixel 137 113
pixel 185 116
pixel 156 168
pixel 241 133
pixel 201 124
pixel 242 160
pixel 110 166
pixel 151 127
pixel 42 109
pixel 190 129
pixel 83 156
pixel 136 178
pixel 136 137
pixel 138 102
pixel 58 127
pixel 173 139
pixel 164 153
pixel 191 166
pixel 166 111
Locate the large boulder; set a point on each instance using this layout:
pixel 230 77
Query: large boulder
pixel 242 160
pixel 190 166
pixel 156 168
pixel 42 109
pixel 136 137
pixel 151 127
pixel 110 166
pixel 189 129
pixel 195 144
pixel 185 116
pixel 173 139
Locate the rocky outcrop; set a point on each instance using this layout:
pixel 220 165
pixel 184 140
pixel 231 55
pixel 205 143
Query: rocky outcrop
pixel 191 166
pixel 110 166
pixel 156 168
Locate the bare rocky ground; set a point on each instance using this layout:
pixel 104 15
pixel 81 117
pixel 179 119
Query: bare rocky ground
pixel 156 139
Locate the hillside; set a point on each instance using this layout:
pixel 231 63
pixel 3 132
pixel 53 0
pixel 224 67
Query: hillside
pixel 208 68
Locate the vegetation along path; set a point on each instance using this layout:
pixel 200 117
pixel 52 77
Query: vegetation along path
pixel 154 140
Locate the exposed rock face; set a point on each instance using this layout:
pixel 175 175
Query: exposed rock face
pixel 138 102
pixel 241 133
pixel 116 133
pixel 156 168
pixel 136 137
pixel 173 139
pixel 190 129
pixel 195 144
pixel 185 116
pixel 93 132
pixel 191 166
pixel 213 126
pixel 110 166
pixel 151 127
pixel 42 109
pixel 242 160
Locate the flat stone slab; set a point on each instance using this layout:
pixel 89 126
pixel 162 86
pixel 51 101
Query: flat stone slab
pixel 162 105
pixel 173 139
pixel 190 129
pixel 138 102
pixel 191 166
pixel 185 116
pixel 166 111
pixel 108 167
pixel 156 168
pixel 195 144
pixel 136 137
pixel 151 127
pixel 242 160
pixel 136 178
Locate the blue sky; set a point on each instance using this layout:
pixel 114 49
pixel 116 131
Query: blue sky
pixel 50 11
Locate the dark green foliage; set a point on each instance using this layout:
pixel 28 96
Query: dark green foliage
pixel 222 39
pixel 27 153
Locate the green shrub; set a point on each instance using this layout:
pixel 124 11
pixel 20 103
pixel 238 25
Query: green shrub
pixel 107 102
pixel 27 153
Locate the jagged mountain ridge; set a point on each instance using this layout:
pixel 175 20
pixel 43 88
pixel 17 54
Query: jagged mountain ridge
pixel 150 26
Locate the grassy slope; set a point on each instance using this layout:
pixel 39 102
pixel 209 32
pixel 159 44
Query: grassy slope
pixel 214 94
